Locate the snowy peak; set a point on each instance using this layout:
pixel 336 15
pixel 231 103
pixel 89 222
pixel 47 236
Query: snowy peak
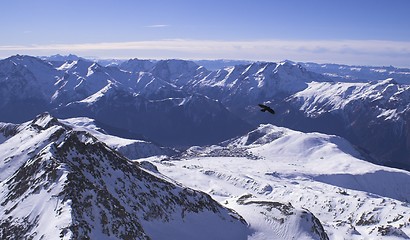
pixel 84 189
pixel 302 99
pixel 303 185
pixel 44 121
pixel 306 146
pixel 178 72
pixel 264 134
pixel 137 65
pixel 378 105
pixel 26 77
pixel 79 67
pixel 243 85
pixel 28 61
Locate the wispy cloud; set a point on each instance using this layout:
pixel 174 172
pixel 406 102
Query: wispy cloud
pixel 157 26
pixel 366 52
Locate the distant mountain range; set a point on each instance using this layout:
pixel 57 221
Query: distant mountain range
pixel 178 103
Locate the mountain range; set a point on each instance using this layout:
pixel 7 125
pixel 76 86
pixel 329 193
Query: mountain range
pixel 59 182
pixel 141 149
pixel 272 174
pixel 178 103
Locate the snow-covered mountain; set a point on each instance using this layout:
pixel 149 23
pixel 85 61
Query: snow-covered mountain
pixel 312 182
pixel 25 84
pixel 347 73
pixel 244 85
pixel 130 148
pixel 338 72
pixel 61 58
pixel 375 115
pixel 289 184
pixel 138 103
pixel 214 65
pixel 137 65
pixel 179 103
pixel 57 182
pixel 170 121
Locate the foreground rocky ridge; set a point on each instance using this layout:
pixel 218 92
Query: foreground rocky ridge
pixel 60 183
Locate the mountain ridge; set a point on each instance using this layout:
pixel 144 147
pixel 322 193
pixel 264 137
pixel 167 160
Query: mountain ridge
pixel 226 98
pixel 90 191
pixel 286 170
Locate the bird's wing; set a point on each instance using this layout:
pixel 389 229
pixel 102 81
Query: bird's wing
pixel 271 110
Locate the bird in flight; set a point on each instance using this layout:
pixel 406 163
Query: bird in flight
pixel 265 108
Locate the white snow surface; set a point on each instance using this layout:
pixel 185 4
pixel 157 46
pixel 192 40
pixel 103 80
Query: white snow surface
pixel 321 97
pixel 352 198
pixel 45 203
pixel 110 197
pixel 131 148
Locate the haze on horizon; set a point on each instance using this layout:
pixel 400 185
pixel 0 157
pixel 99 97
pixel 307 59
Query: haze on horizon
pixel 347 32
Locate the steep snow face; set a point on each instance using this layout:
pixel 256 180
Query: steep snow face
pixel 390 97
pixel 154 88
pixel 82 79
pixel 57 182
pixel 25 78
pixel 257 82
pixel 376 115
pixel 306 180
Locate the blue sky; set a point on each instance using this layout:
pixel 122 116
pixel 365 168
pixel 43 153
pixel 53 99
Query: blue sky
pixel 365 32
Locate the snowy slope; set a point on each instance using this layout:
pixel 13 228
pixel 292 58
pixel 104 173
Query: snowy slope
pixel 133 101
pixel 179 103
pixel 243 85
pixel 390 97
pixel 60 183
pixel 178 72
pixel 130 148
pixel 170 121
pixel 375 115
pixel 306 173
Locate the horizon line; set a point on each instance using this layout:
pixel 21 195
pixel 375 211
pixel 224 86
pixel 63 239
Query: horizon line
pixel 348 52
